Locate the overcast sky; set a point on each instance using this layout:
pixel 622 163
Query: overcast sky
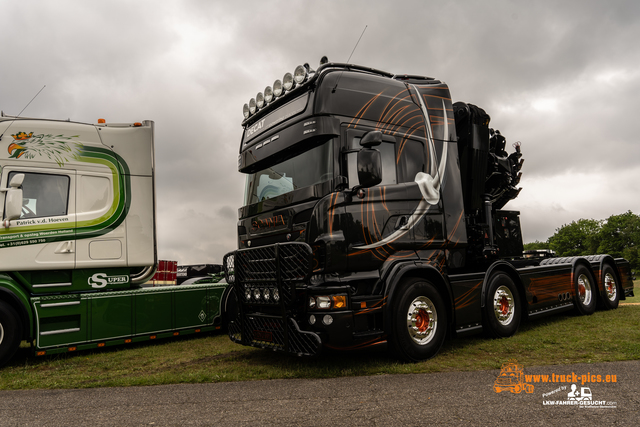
pixel 562 77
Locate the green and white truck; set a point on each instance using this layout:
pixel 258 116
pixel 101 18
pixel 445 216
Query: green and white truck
pixel 78 241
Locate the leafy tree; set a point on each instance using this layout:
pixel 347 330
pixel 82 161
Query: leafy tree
pixel 581 237
pixel 536 245
pixel 620 237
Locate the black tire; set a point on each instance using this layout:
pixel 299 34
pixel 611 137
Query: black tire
pixel 611 293
pixel 502 308
pixel 419 321
pixel 10 331
pixel 584 287
pixel 231 313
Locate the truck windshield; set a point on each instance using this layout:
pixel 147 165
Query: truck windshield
pixel 308 168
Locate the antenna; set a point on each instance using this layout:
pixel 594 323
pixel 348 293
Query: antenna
pixel 25 107
pixel 354 49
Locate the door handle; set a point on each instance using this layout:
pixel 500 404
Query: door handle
pixel 65 247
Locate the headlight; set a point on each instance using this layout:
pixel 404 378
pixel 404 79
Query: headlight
pixel 259 100
pixel 287 81
pixel 323 302
pixel 328 302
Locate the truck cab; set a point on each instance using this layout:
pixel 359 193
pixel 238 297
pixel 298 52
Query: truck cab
pixel 78 241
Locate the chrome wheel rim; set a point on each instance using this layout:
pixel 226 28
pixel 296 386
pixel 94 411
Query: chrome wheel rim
pixel 584 289
pixel 1 333
pixel 422 320
pixel 610 287
pixel 503 305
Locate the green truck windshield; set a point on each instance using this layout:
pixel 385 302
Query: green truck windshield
pixel 308 168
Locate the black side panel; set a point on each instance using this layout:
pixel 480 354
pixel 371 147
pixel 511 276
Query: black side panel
pixel 472 127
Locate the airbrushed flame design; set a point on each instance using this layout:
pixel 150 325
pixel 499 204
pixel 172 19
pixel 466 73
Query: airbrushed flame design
pixel 429 184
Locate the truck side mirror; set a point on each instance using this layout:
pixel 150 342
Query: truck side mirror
pixel 371 139
pixel 369 167
pixel 13 200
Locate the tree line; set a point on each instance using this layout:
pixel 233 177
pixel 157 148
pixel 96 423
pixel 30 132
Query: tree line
pixel 618 236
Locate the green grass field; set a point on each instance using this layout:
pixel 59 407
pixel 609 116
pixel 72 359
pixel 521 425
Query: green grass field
pixel 555 340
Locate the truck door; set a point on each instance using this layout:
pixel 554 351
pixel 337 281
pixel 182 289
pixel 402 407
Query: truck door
pixel 43 238
pixel 98 245
pixel 389 219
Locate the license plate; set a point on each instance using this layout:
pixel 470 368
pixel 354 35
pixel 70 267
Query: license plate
pixel 263 336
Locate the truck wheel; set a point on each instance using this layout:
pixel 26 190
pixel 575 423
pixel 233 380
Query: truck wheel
pixel 502 308
pixel 419 322
pixel 10 328
pixel 583 285
pixel 231 313
pixel 611 295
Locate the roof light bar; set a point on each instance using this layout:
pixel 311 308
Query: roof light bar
pixel 280 87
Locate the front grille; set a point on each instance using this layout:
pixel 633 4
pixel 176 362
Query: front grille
pixel 265 280
pixel 268 275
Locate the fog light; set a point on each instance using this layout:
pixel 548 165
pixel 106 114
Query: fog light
pixel 327 319
pixel 247 294
pixel 276 295
pixel 266 294
pixel 312 320
pixel 256 294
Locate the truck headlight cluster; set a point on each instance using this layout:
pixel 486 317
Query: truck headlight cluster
pixel 328 302
pixel 280 88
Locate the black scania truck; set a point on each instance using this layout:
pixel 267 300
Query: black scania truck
pixel 373 215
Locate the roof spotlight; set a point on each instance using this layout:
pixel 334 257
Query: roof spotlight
pixel 300 74
pixel 308 68
pixel 324 60
pixel 287 81
pixel 252 106
pixel 259 100
pixel 278 90
pixel 245 111
pixel 268 94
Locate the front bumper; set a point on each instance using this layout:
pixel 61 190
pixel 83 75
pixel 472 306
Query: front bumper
pixel 269 284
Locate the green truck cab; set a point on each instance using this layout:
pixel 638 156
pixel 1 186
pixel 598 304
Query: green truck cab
pixel 78 241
